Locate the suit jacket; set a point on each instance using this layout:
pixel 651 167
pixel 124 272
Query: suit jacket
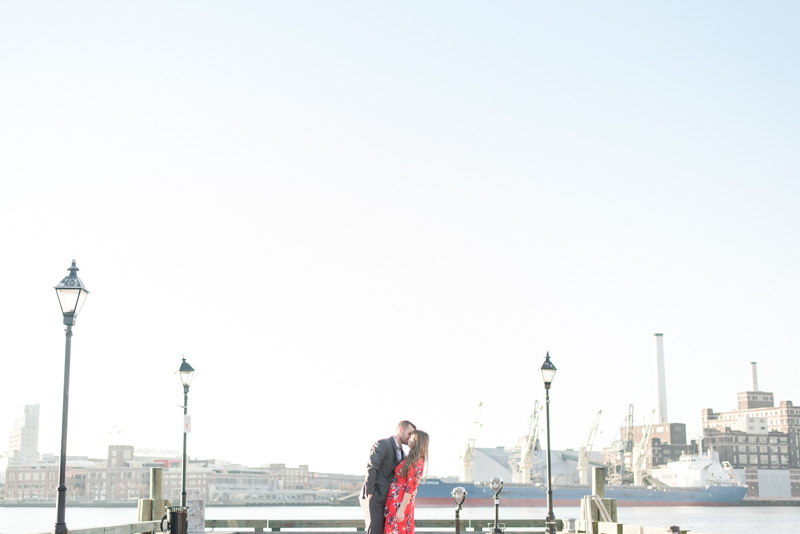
pixel 380 468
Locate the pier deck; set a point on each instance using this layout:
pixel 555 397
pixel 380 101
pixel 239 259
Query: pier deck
pixel 340 526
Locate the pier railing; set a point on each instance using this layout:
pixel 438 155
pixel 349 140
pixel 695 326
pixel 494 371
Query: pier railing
pixel 423 526
pixel 319 526
pixel 128 528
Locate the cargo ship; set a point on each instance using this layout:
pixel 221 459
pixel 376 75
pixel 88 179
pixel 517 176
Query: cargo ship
pixel 694 480
pixel 436 492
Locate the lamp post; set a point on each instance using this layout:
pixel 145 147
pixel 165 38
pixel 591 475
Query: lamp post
pixel 497 486
pixel 71 296
pixel 184 374
pixel 548 371
pixel 459 494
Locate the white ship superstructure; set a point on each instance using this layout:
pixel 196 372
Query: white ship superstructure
pixel 697 471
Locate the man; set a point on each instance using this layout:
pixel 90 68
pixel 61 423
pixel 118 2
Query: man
pixel 384 456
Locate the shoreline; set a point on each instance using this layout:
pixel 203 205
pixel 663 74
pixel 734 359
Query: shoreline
pixel 133 504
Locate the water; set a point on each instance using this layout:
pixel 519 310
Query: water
pixel 717 520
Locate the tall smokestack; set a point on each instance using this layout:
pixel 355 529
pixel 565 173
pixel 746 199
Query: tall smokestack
pixel 755 376
pixel 661 415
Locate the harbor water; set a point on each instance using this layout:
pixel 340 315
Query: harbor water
pixel 718 520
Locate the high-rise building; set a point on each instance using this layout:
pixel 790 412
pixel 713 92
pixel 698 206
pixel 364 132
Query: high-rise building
pixel 24 438
pixel 23 442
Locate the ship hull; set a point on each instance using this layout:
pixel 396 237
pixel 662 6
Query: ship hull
pixel 437 493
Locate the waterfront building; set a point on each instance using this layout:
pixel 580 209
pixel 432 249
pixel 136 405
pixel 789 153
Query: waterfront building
pixel 24 437
pixel 758 420
pixel 23 440
pixel 290 477
pixel 223 482
pixel 124 475
pixel 85 481
pixel 157 457
pixel 765 450
pixel 762 424
pixel 336 481
pixel 760 440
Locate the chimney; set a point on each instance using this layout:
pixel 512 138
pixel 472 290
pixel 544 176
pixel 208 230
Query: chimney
pixel 755 376
pixel 661 415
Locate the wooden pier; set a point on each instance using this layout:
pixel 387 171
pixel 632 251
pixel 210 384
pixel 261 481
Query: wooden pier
pixel 423 526
pixel 600 516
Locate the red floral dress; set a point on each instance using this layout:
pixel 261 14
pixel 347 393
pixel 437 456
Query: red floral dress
pixel 399 488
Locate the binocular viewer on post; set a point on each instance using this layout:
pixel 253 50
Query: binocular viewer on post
pixel 177 519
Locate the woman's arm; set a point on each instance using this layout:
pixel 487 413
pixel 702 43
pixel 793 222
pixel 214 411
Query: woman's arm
pixel 411 489
pixel 401 512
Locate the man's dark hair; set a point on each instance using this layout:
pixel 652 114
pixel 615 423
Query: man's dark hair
pixel 406 424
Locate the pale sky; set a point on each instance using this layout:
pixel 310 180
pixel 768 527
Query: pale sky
pixel 346 214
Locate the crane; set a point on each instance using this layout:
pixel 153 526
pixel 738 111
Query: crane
pixel 627 434
pixel 621 446
pixel 526 454
pixel 469 448
pixel 586 450
pixel 640 451
pixel 626 440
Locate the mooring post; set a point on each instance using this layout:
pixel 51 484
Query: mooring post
pixel 599 481
pixel 152 508
pixel 157 493
pixel 156 483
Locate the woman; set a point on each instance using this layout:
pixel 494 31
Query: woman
pixel 399 511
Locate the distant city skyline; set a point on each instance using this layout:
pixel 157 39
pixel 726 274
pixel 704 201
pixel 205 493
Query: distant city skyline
pixel 117 437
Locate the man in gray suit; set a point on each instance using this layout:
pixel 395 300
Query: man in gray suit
pixel 384 456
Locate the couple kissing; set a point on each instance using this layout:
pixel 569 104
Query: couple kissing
pixel 387 497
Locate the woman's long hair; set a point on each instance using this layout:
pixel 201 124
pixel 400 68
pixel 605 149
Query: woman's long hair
pixel 418 448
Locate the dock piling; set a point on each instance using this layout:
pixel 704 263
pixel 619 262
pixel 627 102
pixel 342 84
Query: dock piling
pixel 153 509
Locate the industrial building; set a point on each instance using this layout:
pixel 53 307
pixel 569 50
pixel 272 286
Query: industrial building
pixel 640 448
pixel 760 440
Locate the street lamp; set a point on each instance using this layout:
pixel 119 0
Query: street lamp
pixel 459 494
pixel 497 486
pixel 184 373
pixel 71 296
pixel 548 371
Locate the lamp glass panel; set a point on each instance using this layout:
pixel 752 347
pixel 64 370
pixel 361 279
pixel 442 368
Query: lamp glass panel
pixel 185 377
pixel 68 298
pixel 548 374
pixel 81 300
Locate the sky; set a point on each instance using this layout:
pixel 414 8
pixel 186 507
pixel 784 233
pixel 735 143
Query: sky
pixel 347 214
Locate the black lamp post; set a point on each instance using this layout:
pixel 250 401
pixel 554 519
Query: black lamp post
pixel 497 486
pixel 459 494
pixel 184 373
pixel 71 296
pixel 548 372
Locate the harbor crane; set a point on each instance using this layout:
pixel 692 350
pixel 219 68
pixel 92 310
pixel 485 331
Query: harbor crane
pixel 626 441
pixel 586 450
pixel 531 444
pixel 640 452
pixel 617 456
pixel 627 431
pixel 469 448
